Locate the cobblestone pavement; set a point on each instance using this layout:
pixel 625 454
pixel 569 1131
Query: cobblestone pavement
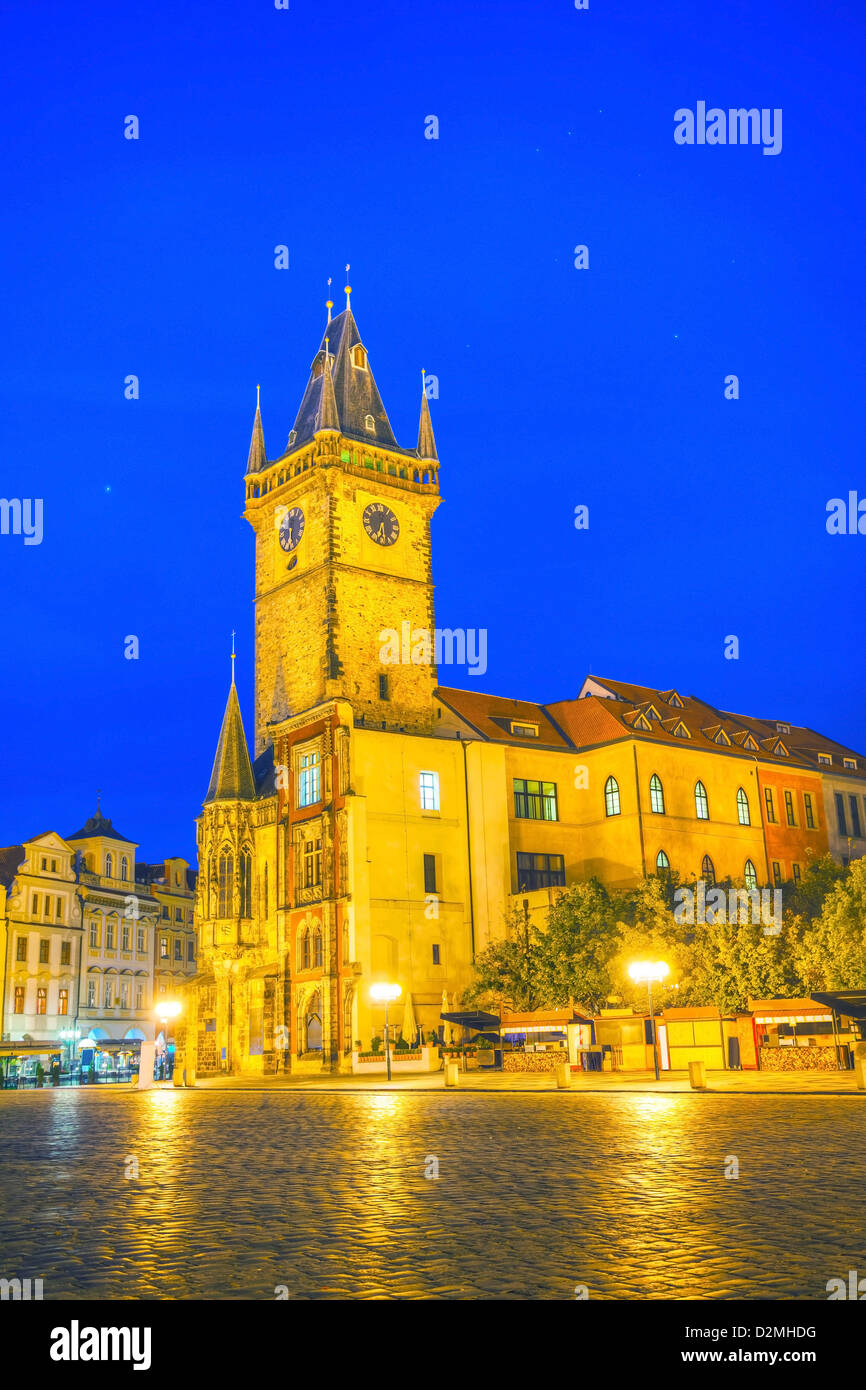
pixel 240 1191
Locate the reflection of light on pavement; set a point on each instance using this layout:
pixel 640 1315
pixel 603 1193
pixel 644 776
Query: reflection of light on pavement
pixel 386 1105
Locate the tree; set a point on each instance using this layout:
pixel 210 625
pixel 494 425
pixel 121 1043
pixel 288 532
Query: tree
pixel 507 971
pixel 841 930
pixel 577 946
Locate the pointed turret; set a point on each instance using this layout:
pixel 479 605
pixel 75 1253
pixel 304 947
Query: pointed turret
pixel 328 419
pixel 232 775
pixel 258 459
pixel 426 441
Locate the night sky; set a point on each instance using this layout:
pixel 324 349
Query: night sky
pixel 558 386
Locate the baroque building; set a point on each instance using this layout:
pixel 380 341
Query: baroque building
pixel 384 825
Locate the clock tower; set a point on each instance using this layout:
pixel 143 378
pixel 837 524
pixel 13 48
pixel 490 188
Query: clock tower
pixel 344 586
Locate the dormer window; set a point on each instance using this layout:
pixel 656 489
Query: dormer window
pixel 359 357
pixel 672 698
pixel 850 763
pixel 524 730
pixel 293 434
pixel 721 737
pixel 751 744
pixel 370 424
pixel 825 759
pixel 780 750
pixel 681 731
pixel 783 729
pixel 642 723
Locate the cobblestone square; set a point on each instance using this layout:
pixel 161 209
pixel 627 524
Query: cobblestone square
pixel 326 1194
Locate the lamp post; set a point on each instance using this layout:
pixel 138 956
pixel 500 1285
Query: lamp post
pixel 70 1036
pixel 385 994
pixel 645 972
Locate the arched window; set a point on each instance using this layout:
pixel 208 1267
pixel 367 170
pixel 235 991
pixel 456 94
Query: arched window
pixel 743 808
pixel 304 949
pixel 370 424
pixel 702 806
pixel 611 797
pixel 246 883
pixel 707 870
pixel 265 890
pixel 657 795
pixel 663 864
pixel 313 1025
pixel 109 865
pixel 124 868
pixel 749 875
pixel 359 357
pixel 317 947
pixel 226 874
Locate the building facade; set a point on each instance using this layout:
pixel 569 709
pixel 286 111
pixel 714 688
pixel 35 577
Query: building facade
pixel 384 825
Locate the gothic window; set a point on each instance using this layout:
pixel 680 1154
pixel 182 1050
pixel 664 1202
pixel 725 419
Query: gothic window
pixel 313 1025
pixel 226 874
pixel 657 795
pixel 370 424
pixel 304 949
pixel 702 805
pixel 750 875
pixel 708 871
pixel 743 808
pixel 246 883
pixel 312 863
pixel 662 862
pixel 317 947
pixel 611 797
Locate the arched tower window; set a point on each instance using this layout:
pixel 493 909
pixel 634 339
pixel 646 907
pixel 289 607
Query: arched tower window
pixel 611 797
pixel 662 862
pixel 246 867
pixel 657 795
pixel 702 805
pixel 226 874
pixel 750 875
pixel 743 808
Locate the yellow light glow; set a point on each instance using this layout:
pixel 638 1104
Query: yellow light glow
pixel 170 1009
pixel 385 993
pixel 644 971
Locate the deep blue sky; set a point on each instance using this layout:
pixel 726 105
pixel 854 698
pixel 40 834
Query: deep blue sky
pixel 557 386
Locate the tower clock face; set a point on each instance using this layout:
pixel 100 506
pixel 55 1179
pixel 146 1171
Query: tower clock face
pixel 291 528
pixel 381 524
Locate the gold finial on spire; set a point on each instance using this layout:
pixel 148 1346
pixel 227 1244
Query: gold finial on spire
pixel 233 656
pixel 348 289
pixel 329 303
pixel 258 389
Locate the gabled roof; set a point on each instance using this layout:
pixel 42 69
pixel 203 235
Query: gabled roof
pixel 491 716
pixel 232 776
pixel 99 827
pixel 356 394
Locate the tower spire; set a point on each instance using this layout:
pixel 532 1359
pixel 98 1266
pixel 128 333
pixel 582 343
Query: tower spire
pixel 328 417
pixel 257 459
pixel 233 656
pixel 426 440
pixel 232 776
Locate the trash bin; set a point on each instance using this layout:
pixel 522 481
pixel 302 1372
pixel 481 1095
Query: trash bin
pixel 563 1076
pixel 452 1072
pixel 698 1076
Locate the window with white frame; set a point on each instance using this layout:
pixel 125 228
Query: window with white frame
pixel 429 788
pixel 309 778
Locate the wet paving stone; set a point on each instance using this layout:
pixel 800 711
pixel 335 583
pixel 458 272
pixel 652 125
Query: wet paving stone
pixel 238 1193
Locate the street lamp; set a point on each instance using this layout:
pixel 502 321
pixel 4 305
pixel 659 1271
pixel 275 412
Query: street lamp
pixel 645 972
pixel 386 994
pixel 70 1036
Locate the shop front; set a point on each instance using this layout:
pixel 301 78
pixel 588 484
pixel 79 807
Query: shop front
pixel 723 1042
pixel 799 1035
pixel 536 1041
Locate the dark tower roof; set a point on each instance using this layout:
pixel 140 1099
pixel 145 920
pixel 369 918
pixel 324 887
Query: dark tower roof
pixel 232 775
pixel 356 394
pixel 257 457
pixel 98 825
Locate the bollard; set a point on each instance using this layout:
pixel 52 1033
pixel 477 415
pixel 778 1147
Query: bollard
pixel 698 1076
pixel 452 1072
pixel 189 1076
pixel 563 1076
pixel 860 1073
pixel 177 1076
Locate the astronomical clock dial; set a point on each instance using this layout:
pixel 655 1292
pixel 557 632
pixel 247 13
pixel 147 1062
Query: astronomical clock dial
pixel 291 528
pixel 381 524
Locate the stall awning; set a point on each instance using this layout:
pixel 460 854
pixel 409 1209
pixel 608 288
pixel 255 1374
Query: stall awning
pixel 483 1022
pixel 31 1049
pixel 850 1003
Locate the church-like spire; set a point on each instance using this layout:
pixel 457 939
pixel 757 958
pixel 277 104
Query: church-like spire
pixel 232 776
pixel 328 419
pixel 258 458
pixel 426 441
